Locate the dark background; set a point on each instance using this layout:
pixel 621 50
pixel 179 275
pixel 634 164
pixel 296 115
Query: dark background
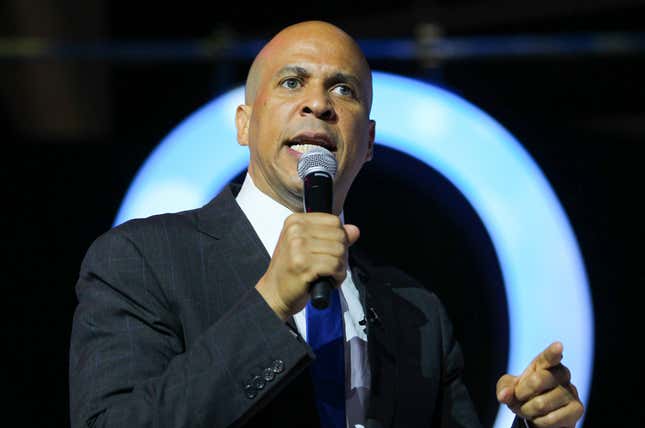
pixel 79 123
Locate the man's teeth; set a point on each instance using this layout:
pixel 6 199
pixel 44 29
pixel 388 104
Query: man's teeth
pixel 303 148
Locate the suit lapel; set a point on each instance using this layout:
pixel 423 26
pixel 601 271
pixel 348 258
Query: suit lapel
pixel 238 244
pixel 381 341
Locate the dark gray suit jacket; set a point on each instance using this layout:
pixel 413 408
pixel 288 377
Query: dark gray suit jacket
pixel 169 331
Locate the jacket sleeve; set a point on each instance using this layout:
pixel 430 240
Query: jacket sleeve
pixel 456 405
pixel 129 365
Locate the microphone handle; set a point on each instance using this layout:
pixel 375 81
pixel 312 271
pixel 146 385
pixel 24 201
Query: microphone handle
pixel 320 291
pixel 319 198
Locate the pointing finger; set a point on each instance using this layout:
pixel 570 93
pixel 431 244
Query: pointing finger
pixel 541 381
pixel 550 357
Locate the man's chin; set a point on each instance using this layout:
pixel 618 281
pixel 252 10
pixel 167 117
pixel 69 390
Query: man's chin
pixel 288 189
pixel 294 183
pixel 296 194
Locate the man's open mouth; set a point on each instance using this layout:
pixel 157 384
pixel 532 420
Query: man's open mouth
pixel 303 143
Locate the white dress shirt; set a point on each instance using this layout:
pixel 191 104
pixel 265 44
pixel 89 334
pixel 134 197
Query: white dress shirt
pixel 267 218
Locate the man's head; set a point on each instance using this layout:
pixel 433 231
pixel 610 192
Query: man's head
pixel 310 84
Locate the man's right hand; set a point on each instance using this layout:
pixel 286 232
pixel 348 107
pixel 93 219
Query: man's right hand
pixel 310 246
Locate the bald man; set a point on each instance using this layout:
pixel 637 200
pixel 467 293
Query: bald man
pixel 197 318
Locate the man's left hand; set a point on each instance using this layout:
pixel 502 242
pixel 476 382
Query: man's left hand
pixel 543 393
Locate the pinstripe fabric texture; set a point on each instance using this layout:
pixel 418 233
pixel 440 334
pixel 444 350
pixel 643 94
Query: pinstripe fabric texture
pixel 152 341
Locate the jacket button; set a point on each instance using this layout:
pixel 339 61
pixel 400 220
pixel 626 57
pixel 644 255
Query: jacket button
pixel 277 366
pixel 268 375
pixel 258 382
pixel 249 391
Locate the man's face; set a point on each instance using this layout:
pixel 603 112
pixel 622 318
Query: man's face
pixel 313 87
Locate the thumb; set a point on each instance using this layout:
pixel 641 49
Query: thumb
pixel 353 233
pixel 506 389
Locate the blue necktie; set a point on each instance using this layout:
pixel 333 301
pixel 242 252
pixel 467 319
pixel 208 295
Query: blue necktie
pixel 325 335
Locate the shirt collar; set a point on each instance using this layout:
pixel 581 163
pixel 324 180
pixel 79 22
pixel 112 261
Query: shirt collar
pixel 266 215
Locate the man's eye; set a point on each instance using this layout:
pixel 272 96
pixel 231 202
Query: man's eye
pixel 344 90
pixel 291 83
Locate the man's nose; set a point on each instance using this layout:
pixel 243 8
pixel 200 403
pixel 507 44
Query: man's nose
pixel 319 105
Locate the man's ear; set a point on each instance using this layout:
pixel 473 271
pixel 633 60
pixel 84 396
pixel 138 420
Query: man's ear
pixel 370 143
pixel 242 119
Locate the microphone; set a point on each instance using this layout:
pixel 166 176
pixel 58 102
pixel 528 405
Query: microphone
pixel 317 168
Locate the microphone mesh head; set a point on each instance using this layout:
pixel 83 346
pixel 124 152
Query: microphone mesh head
pixel 317 159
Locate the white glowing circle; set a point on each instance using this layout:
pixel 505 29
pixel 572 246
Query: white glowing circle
pixel 545 281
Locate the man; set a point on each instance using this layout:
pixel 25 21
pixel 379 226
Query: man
pixel 185 320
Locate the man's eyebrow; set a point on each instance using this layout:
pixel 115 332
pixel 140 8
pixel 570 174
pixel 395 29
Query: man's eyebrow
pixel 293 69
pixel 340 77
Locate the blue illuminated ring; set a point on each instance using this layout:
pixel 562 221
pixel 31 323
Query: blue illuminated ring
pixel 543 271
